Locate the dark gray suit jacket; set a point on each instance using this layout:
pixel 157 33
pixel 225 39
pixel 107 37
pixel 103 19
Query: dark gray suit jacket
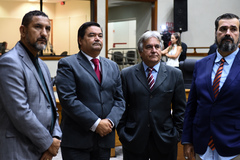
pixel 148 110
pixel 25 112
pixel 84 100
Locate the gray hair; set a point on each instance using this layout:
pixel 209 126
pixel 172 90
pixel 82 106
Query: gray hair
pixel 146 36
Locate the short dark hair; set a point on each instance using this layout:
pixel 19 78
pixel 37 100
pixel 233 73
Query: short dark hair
pixel 225 16
pixel 82 30
pixel 28 17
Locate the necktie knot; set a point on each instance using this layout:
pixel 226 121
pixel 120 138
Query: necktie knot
pixel 222 60
pixel 95 61
pixel 150 69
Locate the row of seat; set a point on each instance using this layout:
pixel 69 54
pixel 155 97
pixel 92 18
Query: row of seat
pixel 120 59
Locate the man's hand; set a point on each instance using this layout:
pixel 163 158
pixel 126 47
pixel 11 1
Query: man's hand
pixel 104 127
pixel 188 151
pixel 53 149
pixel 46 156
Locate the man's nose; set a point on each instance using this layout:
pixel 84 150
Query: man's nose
pixel 44 32
pixel 228 31
pixel 97 38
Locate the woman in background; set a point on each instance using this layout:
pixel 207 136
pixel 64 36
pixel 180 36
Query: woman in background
pixel 173 51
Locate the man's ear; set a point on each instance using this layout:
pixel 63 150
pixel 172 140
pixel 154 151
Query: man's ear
pixel 22 30
pixel 80 41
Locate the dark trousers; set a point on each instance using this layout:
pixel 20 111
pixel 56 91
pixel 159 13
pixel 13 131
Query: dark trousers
pixel 151 152
pixel 95 153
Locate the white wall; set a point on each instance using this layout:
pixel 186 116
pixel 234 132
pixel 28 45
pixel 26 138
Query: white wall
pixel 66 21
pixel 101 19
pixel 201 18
pixel 116 30
pixel 140 12
pixel 11 14
pixel 68 18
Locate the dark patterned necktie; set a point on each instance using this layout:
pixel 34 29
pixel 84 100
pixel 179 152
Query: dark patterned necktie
pixel 215 87
pixel 97 70
pixel 150 78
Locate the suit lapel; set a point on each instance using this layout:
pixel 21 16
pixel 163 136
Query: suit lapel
pixel 104 68
pixel 83 61
pixel 48 85
pixel 209 64
pixel 233 73
pixel 28 62
pixel 161 76
pixel 141 76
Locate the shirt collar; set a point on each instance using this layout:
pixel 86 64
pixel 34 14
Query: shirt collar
pixel 229 59
pixel 155 68
pixel 89 57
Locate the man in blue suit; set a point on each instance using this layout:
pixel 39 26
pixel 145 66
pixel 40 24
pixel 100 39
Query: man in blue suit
pixel 212 117
pixel 90 91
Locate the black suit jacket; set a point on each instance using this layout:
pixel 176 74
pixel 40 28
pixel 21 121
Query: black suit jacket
pixel 150 111
pixel 84 100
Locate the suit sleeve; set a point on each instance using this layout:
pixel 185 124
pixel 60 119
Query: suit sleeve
pixel 14 100
pixel 179 104
pixel 119 102
pixel 122 121
pixel 190 112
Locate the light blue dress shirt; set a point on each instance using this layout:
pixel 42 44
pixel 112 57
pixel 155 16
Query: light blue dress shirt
pixel 209 154
pixel 154 71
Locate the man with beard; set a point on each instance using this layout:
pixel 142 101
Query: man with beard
pixel 29 126
pixel 212 118
pixel 90 91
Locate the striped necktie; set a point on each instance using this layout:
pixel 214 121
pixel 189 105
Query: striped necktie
pixel 150 78
pixel 215 87
pixel 217 78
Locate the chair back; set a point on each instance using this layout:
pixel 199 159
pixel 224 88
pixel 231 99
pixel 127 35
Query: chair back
pixel 183 54
pixel 64 53
pixel 130 57
pixel 118 57
pixel 187 67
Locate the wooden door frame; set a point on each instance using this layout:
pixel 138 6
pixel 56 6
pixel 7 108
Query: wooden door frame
pixel 94 16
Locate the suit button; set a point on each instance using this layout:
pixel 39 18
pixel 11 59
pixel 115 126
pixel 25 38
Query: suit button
pixel 151 96
pixel 150 110
pixel 148 125
pixel 48 107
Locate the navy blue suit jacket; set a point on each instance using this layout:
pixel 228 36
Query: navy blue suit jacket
pixel 206 116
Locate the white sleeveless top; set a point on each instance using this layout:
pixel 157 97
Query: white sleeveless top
pixel 173 62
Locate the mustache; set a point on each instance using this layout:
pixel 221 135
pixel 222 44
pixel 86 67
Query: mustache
pixel 97 43
pixel 42 39
pixel 227 38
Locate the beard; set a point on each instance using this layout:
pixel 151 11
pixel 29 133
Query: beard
pixel 227 46
pixel 36 45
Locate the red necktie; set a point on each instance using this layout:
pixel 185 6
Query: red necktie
pixel 97 71
pixel 150 78
pixel 215 87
